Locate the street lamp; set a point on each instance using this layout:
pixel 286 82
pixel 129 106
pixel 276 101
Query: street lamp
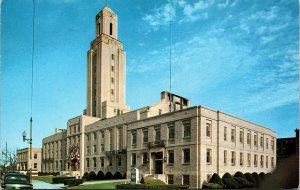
pixel 30 146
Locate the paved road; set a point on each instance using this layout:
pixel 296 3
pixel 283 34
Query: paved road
pixel 43 185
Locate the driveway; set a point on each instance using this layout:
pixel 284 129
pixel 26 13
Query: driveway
pixel 43 185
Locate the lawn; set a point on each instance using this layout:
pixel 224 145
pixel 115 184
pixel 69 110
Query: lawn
pixel 47 179
pixel 98 186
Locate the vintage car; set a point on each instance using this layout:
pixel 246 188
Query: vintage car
pixel 16 181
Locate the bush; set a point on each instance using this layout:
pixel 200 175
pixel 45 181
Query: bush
pixel 262 175
pixel 92 176
pixel 251 179
pixel 73 182
pixel 142 181
pixel 124 175
pixel 239 174
pixel 257 178
pixel 230 183
pixel 108 176
pixel 154 182
pixel 216 179
pixel 85 176
pixel 100 175
pixel 61 179
pixel 226 175
pixel 144 186
pixel 206 185
pixel 118 175
pixel 243 183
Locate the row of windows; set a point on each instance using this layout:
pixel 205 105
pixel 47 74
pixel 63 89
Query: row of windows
pixel 233 159
pixel 101 161
pixel 185 179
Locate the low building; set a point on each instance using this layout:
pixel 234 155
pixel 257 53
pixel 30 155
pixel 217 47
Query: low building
pixel 286 147
pixel 24 163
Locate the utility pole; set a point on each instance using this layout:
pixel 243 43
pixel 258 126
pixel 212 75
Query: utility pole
pixel 6 156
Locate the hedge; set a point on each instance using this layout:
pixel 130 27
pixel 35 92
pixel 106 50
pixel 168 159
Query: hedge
pixel 144 186
pixel 257 178
pixel 73 182
pixel 100 175
pixel 239 174
pixel 117 175
pixel 226 175
pixel 251 179
pixel 61 179
pixel 243 183
pixel 206 185
pixel 216 179
pixel 108 176
pixel 92 176
pixel 230 183
pixel 85 176
pixel 262 175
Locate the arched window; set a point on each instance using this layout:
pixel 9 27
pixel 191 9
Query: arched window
pixel 110 28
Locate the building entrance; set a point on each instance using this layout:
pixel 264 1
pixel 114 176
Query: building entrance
pixel 157 160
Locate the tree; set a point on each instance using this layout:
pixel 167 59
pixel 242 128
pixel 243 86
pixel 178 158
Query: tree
pixel 8 159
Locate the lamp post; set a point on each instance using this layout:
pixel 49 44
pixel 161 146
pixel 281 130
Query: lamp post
pixel 30 146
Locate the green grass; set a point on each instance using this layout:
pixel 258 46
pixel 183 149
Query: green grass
pixel 98 186
pixel 47 179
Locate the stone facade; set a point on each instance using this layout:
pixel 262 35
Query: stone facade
pixel 23 159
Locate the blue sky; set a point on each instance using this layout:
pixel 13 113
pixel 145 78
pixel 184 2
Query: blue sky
pixel 237 56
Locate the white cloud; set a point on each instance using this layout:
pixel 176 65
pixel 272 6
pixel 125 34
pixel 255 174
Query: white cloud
pixel 223 5
pixel 193 12
pixel 267 39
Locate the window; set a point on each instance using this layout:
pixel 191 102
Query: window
pixel 95 162
pixel 225 133
pixel 88 149
pixel 112 91
pixel 102 162
pixel 255 140
pixel 171 131
pixel 262 141
pixel 272 144
pixel 267 161
pixel 112 56
pixel 102 134
pixel 112 68
pixel 241 159
pixel 145 136
pixel 272 162
pixel 233 158
pixel 119 160
pixel 111 136
pixel 225 157
pixel 120 138
pixel 133 135
pixel 110 29
pixel 249 159
pixel 102 147
pixel 249 138
pixel 112 80
pixel 185 180
pixel 241 136
pixel 208 156
pixel 88 137
pixel 110 161
pixel 157 134
pixel 186 128
pixel 95 136
pixel 145 158
pixel 170 179
pixel 186 156
pixel 133 159
pixel 171 157
pixel 35 156
pixel 87 162
pixel 98 27
pixel 267 143
pixel 262 161
pixel 232 135
pixel 95 149
pixel 255 160
pixel 208 129
pixel 35 165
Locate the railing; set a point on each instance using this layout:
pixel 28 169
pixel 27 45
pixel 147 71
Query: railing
pixel 154 144
pixel 112 152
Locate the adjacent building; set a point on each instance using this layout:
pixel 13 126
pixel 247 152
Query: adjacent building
pixel 24 163
pixel 168 140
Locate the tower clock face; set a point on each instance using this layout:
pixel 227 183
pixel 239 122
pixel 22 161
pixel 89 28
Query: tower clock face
pixel 73 158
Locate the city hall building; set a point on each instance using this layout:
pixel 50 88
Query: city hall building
pixel 169 140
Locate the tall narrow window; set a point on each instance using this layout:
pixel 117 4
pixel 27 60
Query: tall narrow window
pixel 225 157
pixel 262 161
pixel 145 136
pixel 262 141
pixel 119 159
pixel 255 160
pixel 272 162
pixel 255 140
pixel 157 134
pixel 186 128
pixel 120 138
pixel 111 139
pixel 171 132
pixel 249 159
pixel 145 158
pixel 170 156
pixel 267 143
pixel 232 135
pixel 110 29
pixel 208 156
pixel 242 136
pixel 267 161
pixel 186 156
pixel 208 129
pixel 233 158
pixel 98 26
pixel 248 138
pixel 225 133
pixel 133 135
pixel 133 159
pixel 241 159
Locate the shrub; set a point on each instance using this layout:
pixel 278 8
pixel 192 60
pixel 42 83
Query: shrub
pixel 243 183
pixel 230 183
pixel 257 178
pixel 61 179
pixel 226 175
pixel 206 185
pixel 85 176
pixel 92 176
pixel 73 182
pixel 154 182
pixel 251 179
pixel 216 179
pixel 142 181
pixel 262 175
pixel 239 174
pixel 144 186
pixel 118 175
pixel 100 175
pixel 108 176
pixel 124 175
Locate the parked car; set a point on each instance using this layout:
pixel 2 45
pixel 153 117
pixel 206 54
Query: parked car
pixel 16 181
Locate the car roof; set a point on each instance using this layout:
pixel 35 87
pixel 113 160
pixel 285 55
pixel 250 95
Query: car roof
pixel 15 174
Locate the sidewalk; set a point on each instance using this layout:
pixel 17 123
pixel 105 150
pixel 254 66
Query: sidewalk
pixel 104 181
pixel 43 185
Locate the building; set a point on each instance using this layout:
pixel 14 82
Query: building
pixel 23 159
pixel 168 140
pixel 287 147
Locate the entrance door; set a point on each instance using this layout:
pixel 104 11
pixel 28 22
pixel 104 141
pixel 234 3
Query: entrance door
pixel 159 163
